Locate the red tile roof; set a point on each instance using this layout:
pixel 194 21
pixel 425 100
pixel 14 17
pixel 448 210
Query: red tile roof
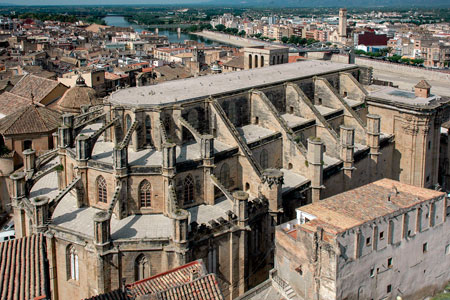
pixel 23 272
pixel 175 284
pixel 166 280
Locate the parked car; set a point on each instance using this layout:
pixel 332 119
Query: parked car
pixel 7 235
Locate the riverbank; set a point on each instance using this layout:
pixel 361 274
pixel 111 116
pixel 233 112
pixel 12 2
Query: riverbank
pixel 230 39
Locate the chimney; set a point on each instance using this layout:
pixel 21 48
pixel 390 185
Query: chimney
pixel 194 275
pixel 422 89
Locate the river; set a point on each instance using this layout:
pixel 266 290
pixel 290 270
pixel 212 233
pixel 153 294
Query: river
pixel 172 34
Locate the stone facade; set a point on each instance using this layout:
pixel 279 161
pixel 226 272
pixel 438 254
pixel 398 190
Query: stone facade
pixel 145 183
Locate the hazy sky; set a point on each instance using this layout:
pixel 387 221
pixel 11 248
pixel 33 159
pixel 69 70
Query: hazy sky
pixel 96 2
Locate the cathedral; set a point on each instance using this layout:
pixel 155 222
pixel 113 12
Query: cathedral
pixel 207 167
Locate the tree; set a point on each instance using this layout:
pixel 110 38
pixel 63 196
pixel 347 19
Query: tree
pixel 242 33
pixel 284 39
pixel 220 27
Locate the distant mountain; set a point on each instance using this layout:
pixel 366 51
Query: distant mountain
pixel 333 3
pixel 7 4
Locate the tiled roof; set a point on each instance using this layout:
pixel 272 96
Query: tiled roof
pixel 38 86
pixel 23 272
pixel 176 284
pixel 353 208
pixel 10 103
pixel 114 295
pixel 166 280
pixel 203 288
pixel 423 84
pixel 30 119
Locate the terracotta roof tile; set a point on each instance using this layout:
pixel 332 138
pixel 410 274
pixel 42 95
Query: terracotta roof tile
pixel 23 272
pixel 38 86
pixel 423 84
pixel 10 103
pixel 30 119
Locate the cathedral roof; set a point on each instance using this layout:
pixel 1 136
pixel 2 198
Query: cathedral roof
pixel 23 273
pixel 77 96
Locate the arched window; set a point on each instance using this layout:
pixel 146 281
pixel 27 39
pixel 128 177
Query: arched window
pixel 249 61
pixel 262 61
pixel 273 60
pixel 256 61
pixel 264 159
pixel 128 122
pixel 148 131
pixel 188 188
pixel 278 60
pixel 72 263
pixel 282 58
pixel 145 194
pixel 141 267
pixel 225 175
pixel 102 192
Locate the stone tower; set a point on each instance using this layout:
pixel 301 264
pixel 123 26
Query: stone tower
pixel 343 22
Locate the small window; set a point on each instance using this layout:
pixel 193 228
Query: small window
pixel 409 232
pixel 256 120
pixel 289 166
pixel 345 94
pixel 372 272
pixel 425 248
pixel 27 144
pixel 389 288
pixel 291 110
pixel 389 262
pixel 428 178
pixel 382 235
pixel 429 145
pixel 98 78
pixel 319 101
pixel 447 249
pixel 368 242
pixel 247 186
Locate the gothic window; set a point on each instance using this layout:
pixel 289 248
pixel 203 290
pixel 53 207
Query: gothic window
pixel 145 194
pixel 225 175
pixel 273 60
pixel 188 188
pixel 148 131
pixel 264 159
pixel 250 61
pixel 101 189
pixel 142 268
pixel 72 263
pixel 128 122
pixel 262 61
pixel 256 61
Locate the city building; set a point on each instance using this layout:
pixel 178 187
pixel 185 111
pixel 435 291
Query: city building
pixel 262 56
pixel 384 240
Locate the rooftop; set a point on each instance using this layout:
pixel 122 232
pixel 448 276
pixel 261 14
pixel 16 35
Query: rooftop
pixel 353 208
pixel 204 86
pixel 400 96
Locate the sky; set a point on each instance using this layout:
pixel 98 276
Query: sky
pixel 97 2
